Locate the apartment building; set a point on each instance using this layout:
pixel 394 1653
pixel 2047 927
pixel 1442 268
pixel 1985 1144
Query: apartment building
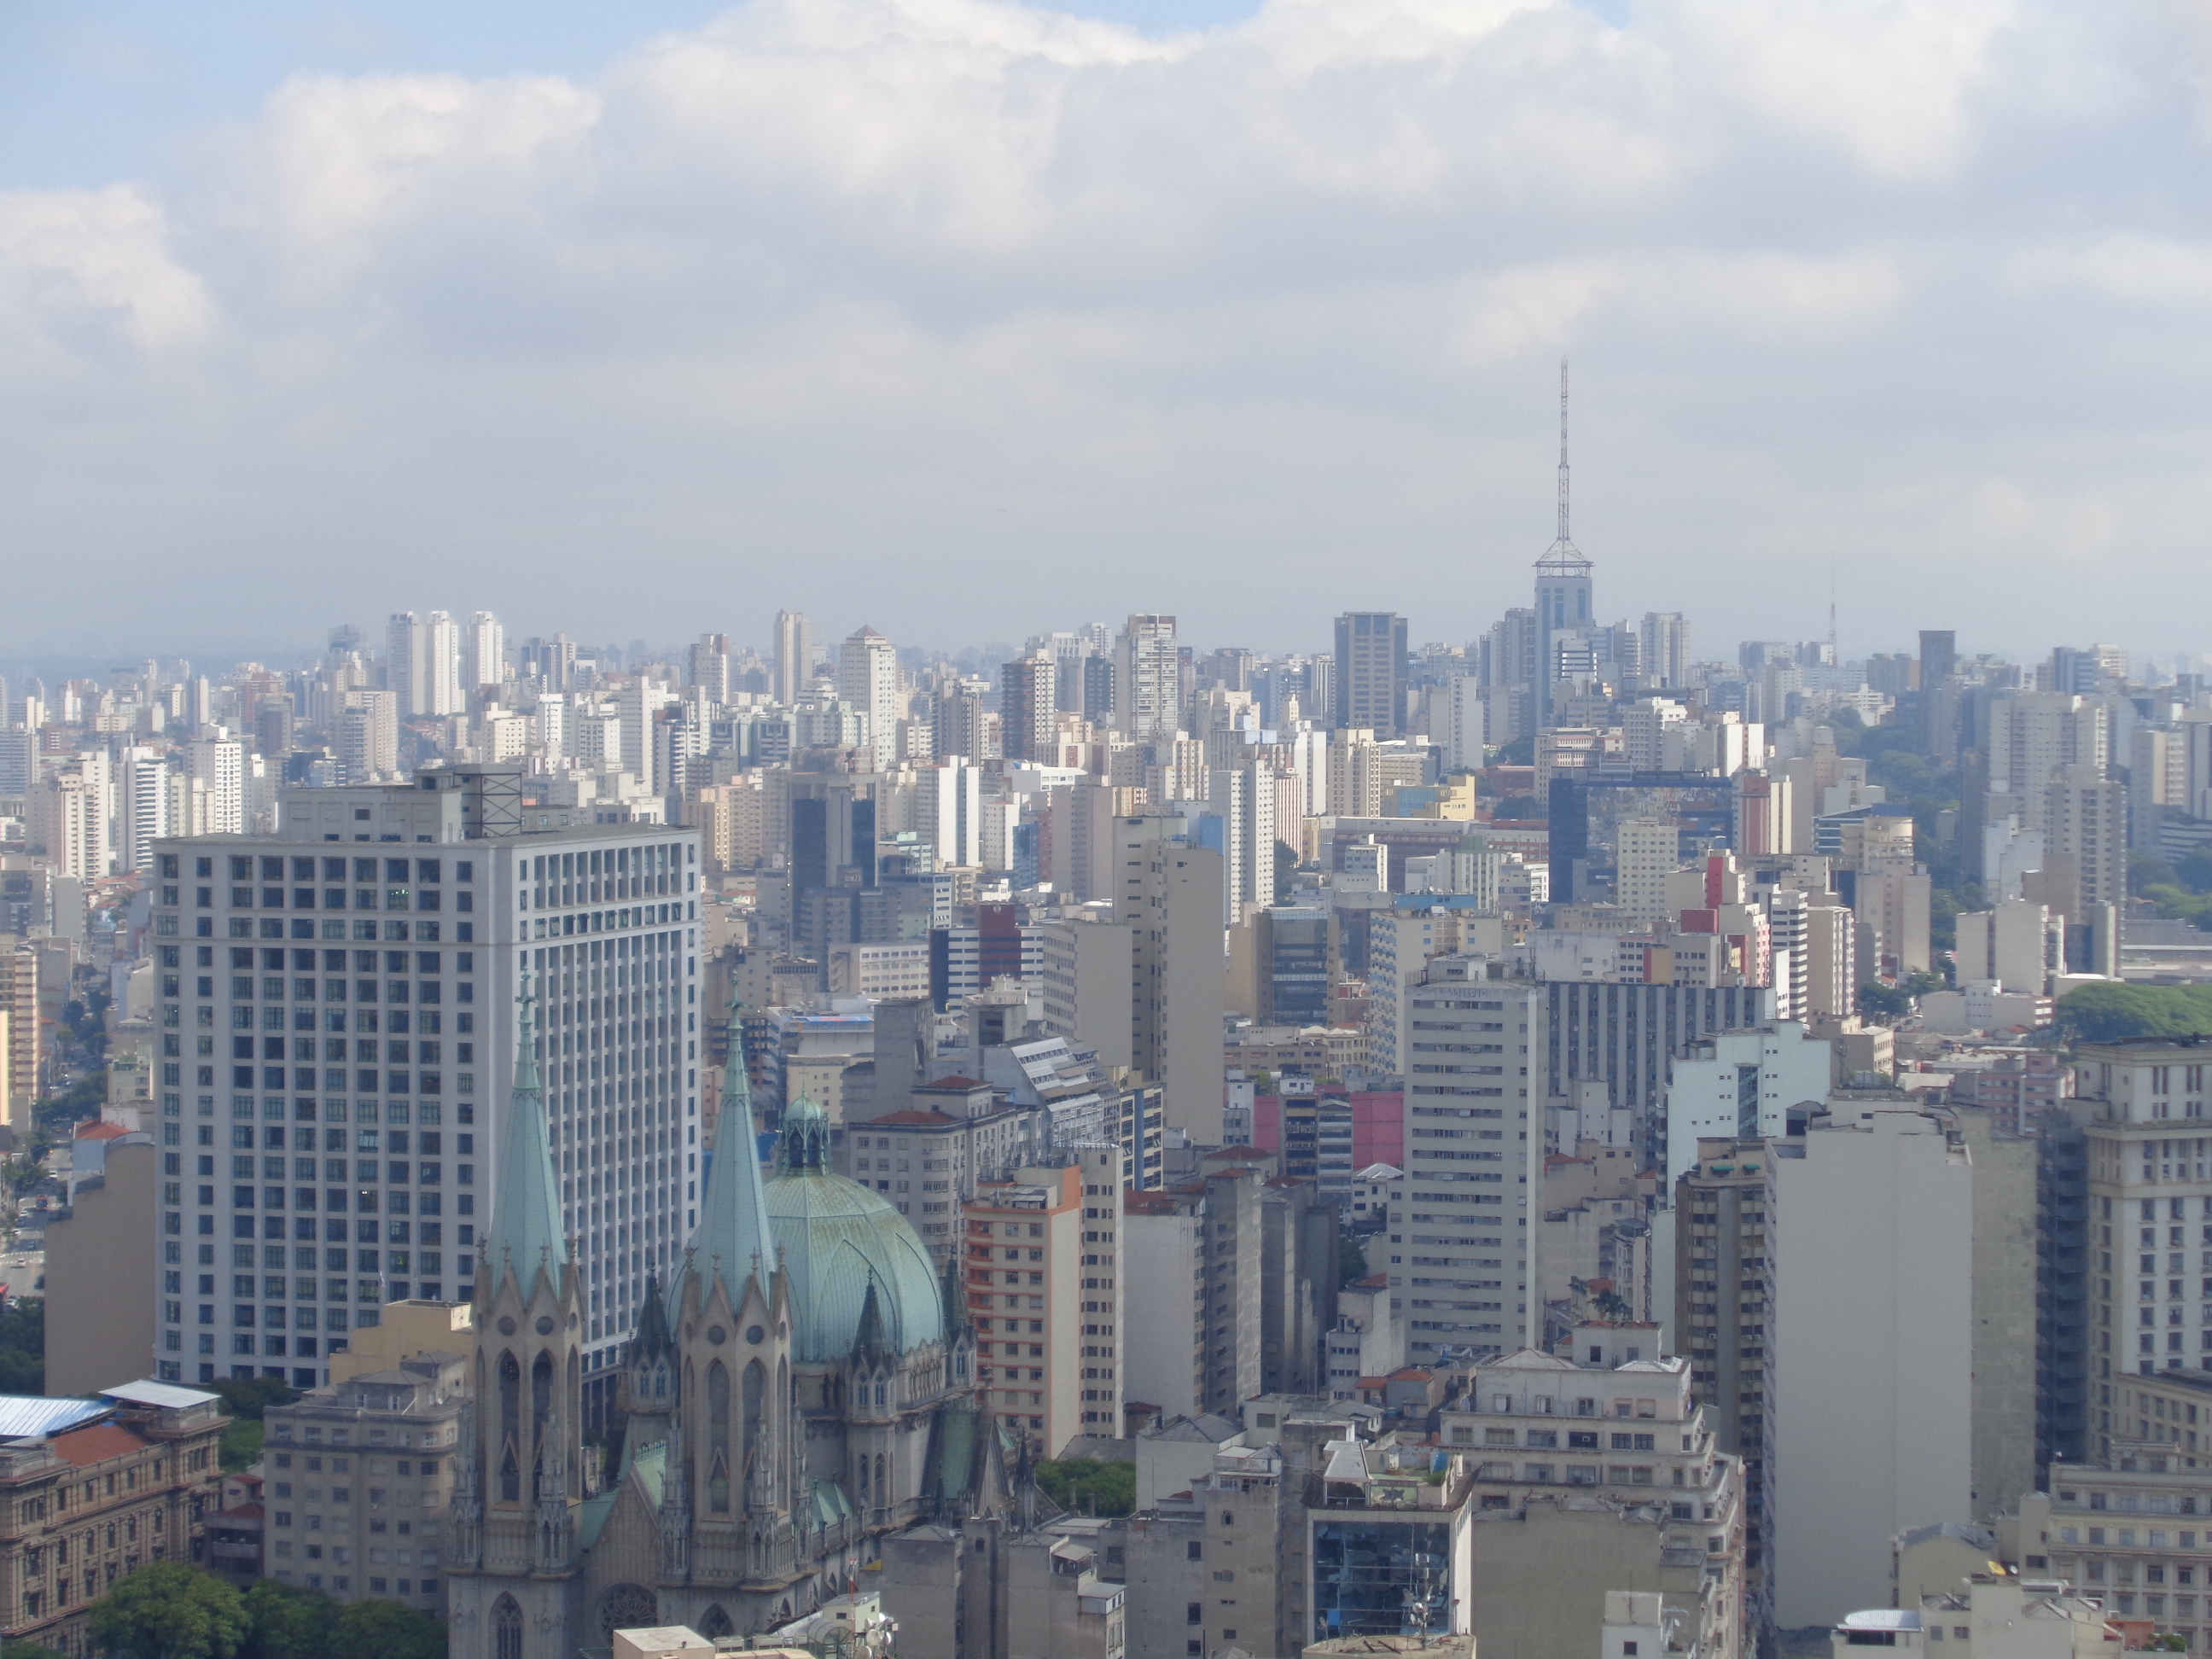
pixel 1461 1257
pixel 929 1159
pixel 338 1009
pixel 2142 1109
pixel 1044 1279
pixel 358 1474
pixel 1591 1472
pixel 1192 1333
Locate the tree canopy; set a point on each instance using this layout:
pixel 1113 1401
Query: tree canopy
pixel 170 1610
pixel 2112 1012
pixel 1088 1486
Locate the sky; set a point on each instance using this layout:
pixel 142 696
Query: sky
pixel 971 320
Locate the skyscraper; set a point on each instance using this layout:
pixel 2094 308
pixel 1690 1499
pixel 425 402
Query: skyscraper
pixel 1371 671
pixel 794 656
pixel 1148 679
pixel 1029 695
pixel 483 652
pixel 868 678
pixel 1939 656
pixel 424 663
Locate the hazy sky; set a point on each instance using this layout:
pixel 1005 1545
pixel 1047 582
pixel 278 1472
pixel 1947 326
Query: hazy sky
pixel 971 319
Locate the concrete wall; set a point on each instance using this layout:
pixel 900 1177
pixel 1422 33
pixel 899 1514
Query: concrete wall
pixel 1539 1577
pixel 1159 1323
pixel 1872 1368
pixel 2005 1246
pixel 100 1279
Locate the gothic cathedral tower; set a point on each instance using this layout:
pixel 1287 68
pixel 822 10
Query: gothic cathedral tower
pixel 513 1566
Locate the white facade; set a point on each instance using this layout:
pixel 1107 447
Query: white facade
pixel 1460 1253
pixel 483 652
pixel 220 763
pixel 868 679
pixel 309 1175
pixel 1647 851
pixel 1741 1085
pixel 1870 1389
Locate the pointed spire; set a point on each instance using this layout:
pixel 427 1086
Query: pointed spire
pixel 652 1337
pixel 872 1343
pixel 805 1148
pixel 733 1240
pixel 525 1224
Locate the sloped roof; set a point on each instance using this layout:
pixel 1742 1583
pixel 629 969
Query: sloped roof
pixel 29 1414
pixel 97 1444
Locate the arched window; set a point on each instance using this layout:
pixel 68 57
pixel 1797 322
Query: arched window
pixel 756 1392
pixel 507 1629
pixel 717 1437
pixel 541 1418
pixel 627 1606
pixel 883 1492
pixel 716 1623
pixel 510 1429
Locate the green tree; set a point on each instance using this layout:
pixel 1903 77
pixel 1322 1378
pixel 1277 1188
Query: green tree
pixel 240 1446
pixel 1088 1486
pixel 30 1650
pixel 387 1630
pixel 170 1611
pixel 1351 1260
pixel 1882 1002
pixel 249 1396
pixel 23 1347
pixel 287 1622
pixel 2111 1013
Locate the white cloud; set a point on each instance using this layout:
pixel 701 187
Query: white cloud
pixel 1003 316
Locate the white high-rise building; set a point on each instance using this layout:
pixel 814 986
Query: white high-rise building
pixel 1741 1086
pixel 1647 852
pixel 143 809
pixel 1462 1250
pixel 483 652
pixel 220 763
pixel 1148 680
pixel 794 657
pixel 868 679
pixel 425 664
pixel 338 1025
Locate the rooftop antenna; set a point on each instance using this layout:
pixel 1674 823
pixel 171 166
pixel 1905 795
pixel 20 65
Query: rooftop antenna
pixel 1563 557
pixel 1563 451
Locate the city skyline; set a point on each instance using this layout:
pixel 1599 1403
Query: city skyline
pixel 426 312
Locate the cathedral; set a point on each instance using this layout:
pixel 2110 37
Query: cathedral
pixel 804 1389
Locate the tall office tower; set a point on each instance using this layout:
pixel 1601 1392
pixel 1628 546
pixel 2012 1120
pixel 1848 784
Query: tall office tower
pixel 220 763
pixel 868 678
pixel 2033 734
pixel 1719 1320
pixel 1148 680
pixel 552 665
pixel 19 762
pixel 1371 671
pixel 424 664
pixel 71 814
pixel 1098 690
pixel 1646 851
pixel 484 652
pixel 1045 1289
pixel 962 724
pixel 1664 636
pixel 1191 1342
pixel 272 725
pixel 1170 894
pixel 142 778
pixel 1622 1035
pixel 1939 656
pixel 1512 654
pixel 706 666
pixel 948 810
pixel 1028 697
pixel 2085 820
pixel 339 1022
pixel 638 707
pixel 368 737
pixel 1871 1381
pixel 793 671
pixel 1461 1253
pixel 1563 577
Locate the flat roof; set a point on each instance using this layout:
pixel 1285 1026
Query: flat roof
pixel 167 1395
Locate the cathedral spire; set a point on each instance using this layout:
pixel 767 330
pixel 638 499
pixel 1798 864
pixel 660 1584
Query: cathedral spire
pixel 525 1231
pixel 805 1148
pixel 732 1238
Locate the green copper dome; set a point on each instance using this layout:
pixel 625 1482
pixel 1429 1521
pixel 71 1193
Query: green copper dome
pixel 837 1237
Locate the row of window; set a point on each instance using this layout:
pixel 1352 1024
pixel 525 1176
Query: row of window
pixel 429 899
pixel 243 867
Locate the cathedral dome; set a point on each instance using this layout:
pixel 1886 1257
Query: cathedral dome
pixel 837 1237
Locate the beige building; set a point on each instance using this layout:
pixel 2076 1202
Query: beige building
pixel 1170 894
pixel 1869 1401
pixel 26 1031
pixel 357 1475
pixel 1044 1282
pixel 1191 1341
pixel 928 1159
pixel 93 1490
pixel 2143 1107
pixel 101 1294
pixel 1089 986
pixel 1594 1474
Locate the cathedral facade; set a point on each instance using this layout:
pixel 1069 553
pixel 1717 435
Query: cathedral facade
pixel 804 1389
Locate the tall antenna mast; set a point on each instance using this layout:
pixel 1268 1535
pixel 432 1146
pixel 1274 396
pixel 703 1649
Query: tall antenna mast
pixel 1562 449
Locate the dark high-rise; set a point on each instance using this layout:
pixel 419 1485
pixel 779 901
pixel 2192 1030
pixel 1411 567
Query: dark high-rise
pixel 1371 671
